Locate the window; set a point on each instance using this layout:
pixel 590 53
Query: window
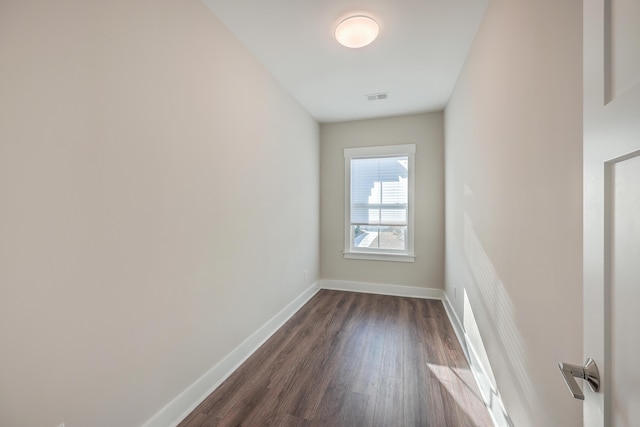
pixel 379 202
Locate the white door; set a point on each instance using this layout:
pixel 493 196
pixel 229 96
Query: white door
pixel 612 209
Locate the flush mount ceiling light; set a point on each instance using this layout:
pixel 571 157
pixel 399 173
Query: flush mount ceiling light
pixel 357 31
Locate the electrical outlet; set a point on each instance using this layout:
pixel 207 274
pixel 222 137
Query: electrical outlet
pixel 305 275
pixel 455 292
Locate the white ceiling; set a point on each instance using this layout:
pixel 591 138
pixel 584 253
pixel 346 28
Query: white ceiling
pixel 416 59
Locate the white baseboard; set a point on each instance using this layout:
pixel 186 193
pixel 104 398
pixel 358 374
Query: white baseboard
pixel 456 323
pixel 382 289
pixel 490 396
pixel 178 409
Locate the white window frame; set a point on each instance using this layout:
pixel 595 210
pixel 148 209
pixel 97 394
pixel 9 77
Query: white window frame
pixel 407 255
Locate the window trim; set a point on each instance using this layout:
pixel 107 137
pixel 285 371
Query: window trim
pixel 349 252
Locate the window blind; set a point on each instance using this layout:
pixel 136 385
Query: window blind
pixel 379 191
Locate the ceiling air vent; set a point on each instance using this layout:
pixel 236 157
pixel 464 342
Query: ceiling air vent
pixel 377 96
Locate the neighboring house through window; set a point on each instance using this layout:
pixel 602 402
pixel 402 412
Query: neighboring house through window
pixel 379 202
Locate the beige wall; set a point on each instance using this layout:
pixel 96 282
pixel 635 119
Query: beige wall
pixel 424 130
pixel 159 203
pixel 514 201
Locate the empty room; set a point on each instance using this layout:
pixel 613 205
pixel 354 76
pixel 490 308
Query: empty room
pixel 319 213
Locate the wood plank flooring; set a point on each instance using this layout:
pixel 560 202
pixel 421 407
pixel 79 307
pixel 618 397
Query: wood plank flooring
pixel 351 359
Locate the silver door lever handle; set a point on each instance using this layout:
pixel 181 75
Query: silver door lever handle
pixel 588 372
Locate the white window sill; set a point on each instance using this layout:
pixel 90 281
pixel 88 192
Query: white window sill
pixel 372 256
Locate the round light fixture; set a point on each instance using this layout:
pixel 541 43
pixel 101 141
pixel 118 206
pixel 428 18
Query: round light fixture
pixel 357 31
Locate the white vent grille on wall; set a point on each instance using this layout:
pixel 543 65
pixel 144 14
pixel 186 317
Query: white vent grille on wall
pixel 377 96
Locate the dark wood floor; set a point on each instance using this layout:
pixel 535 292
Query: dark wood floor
pixel 351 359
